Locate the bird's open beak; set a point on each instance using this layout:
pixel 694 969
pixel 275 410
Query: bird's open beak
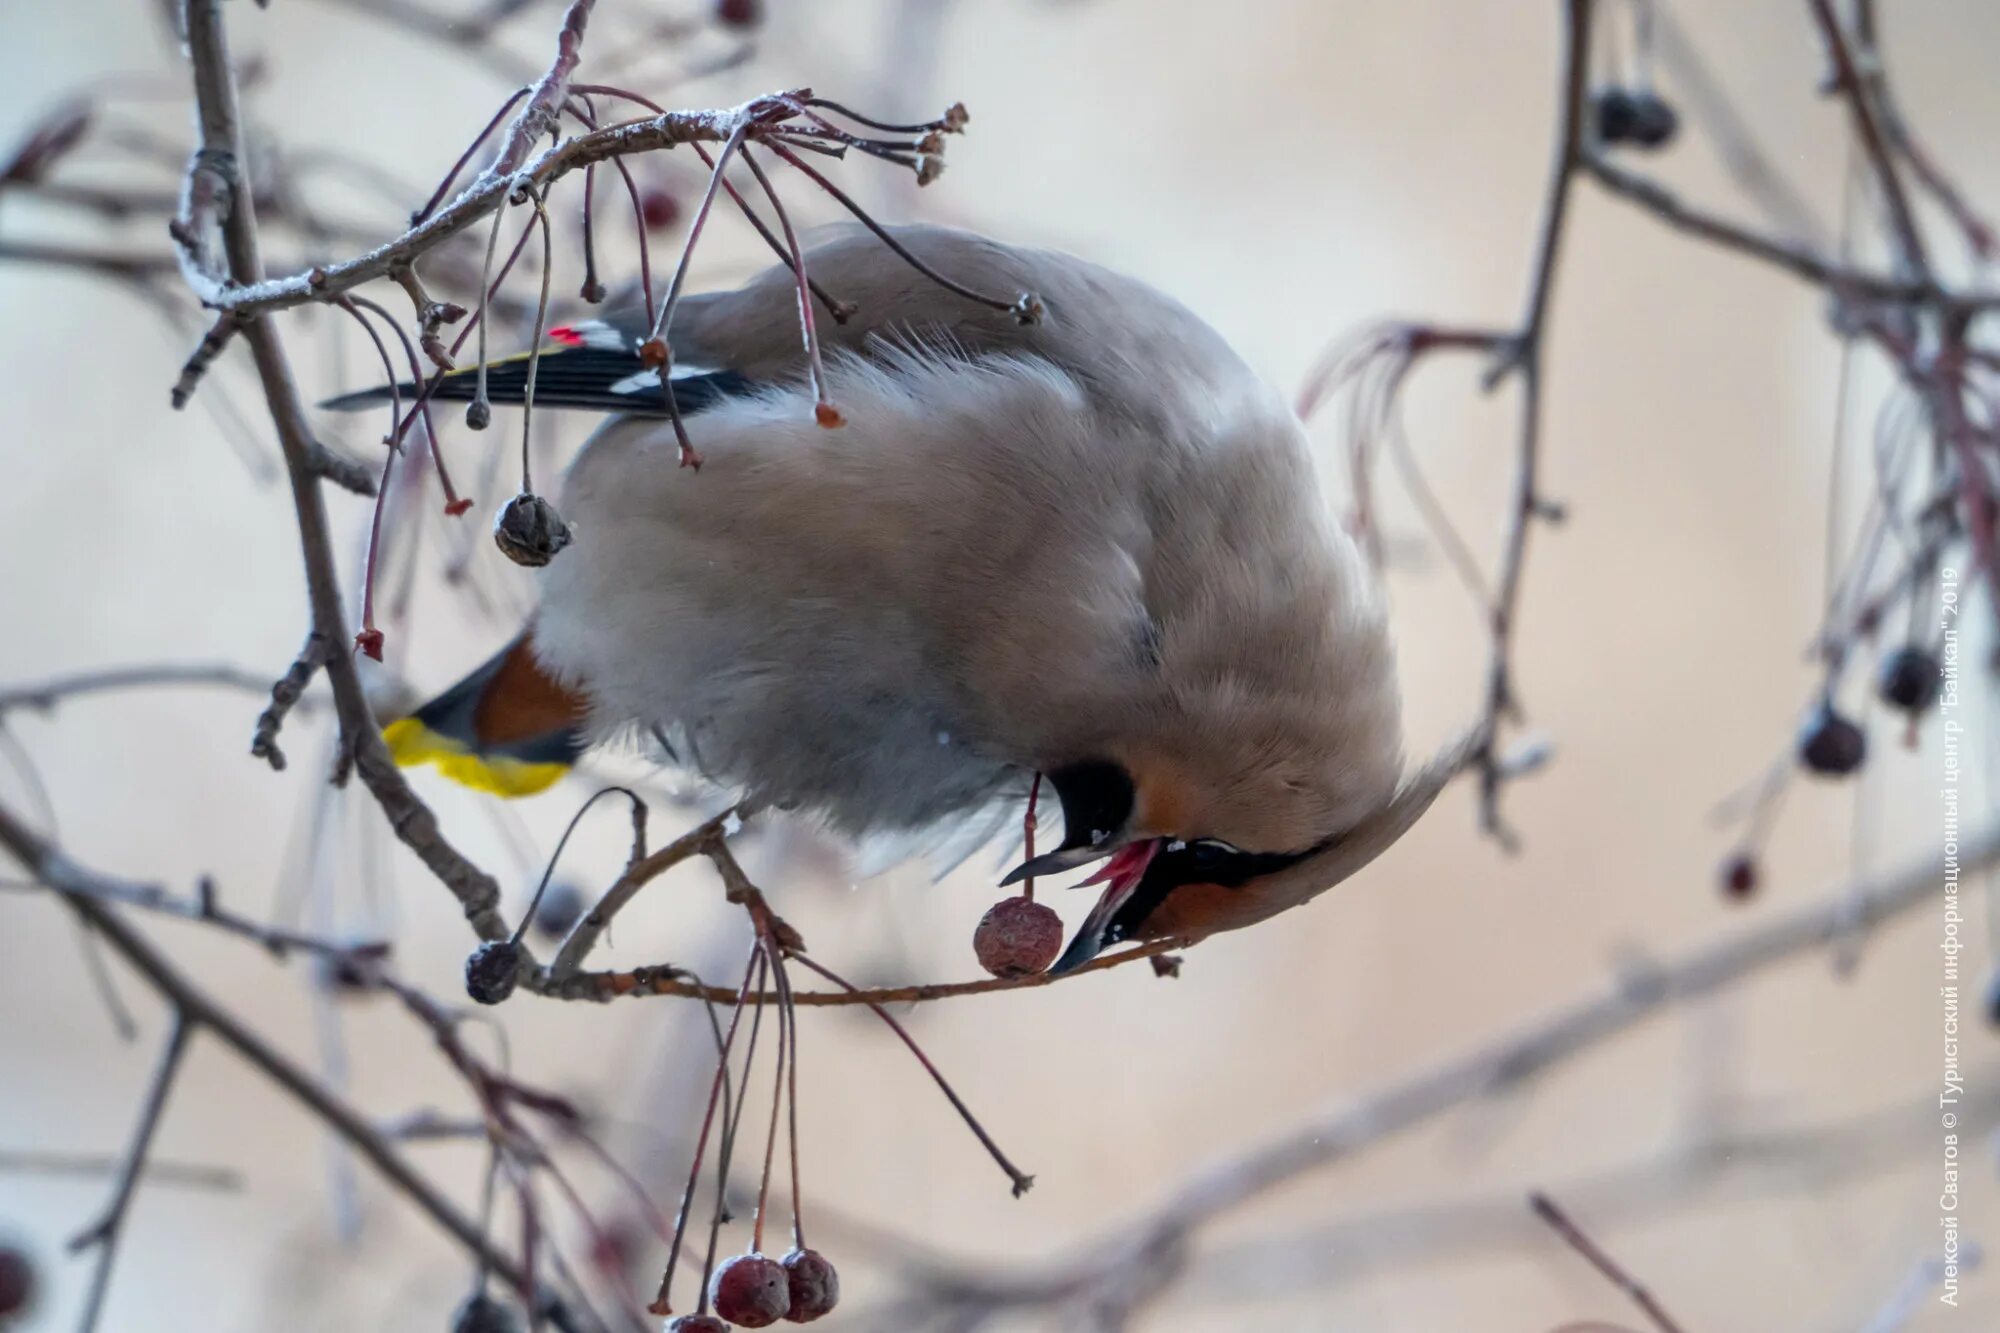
pixel 1120 876
pixel 1066 857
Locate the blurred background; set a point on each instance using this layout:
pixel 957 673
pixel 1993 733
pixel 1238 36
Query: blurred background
pixel 1292 170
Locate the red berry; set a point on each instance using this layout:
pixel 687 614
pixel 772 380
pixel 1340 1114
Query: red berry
pixel 697 1323
pixel 1018 937
pixel 17 1282
pixel 1739 876
pixel 660 209
pixel 751 1290
pixel 739 13
pixel 814 1283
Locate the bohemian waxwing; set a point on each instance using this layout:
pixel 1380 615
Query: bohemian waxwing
pixel 1089 547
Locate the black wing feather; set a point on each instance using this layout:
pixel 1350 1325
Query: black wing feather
pixel 593 378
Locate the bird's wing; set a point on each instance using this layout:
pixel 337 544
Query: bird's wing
pixel 1123 341
pixel 936 289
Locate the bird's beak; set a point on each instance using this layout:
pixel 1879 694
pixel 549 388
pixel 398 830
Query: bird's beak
pixel 1066 857
pixel 1121 876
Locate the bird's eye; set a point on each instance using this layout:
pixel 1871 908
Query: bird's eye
pixel 1210 851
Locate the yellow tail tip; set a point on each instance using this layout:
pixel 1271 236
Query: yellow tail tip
pixel 412 743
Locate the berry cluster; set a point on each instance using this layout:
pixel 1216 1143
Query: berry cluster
pixel 753 1290
pixel 1830 744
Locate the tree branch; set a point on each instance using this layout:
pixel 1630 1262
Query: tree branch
pixel 86 891
pixel 1108 1267
pixel 110 1225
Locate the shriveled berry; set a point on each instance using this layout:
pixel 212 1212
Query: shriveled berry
pixel 1910 679
pixel 481 1313
pixel 814 1283
pixel 479 414
pixel 17 1281
pixel 529 531
pixel 739 13
pixel 1739 876
pixel 659 209
pixel 562 906
pixel 492 971
pixel 750 1290
pixel 697 1323
pixel 1654 120
pixel 1018 937
pixel 1614 113
pixel 1830 744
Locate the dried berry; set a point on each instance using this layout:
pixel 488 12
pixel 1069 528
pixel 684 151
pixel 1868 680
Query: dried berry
pixel 492 971
pixel 1830 744
pixel 17 1281
pixel 1654 121
pixel 829 416
pixel 1017 937
pixel 739 13
pixel 1910 680
pixel 529 531
pixel 482 1314
pixel 815 1285
pixel 1739 876
pixel 750 1290
pixel 660 209
pixel 479 414
pixel 562 906
pixel 697 1323
pixel 1614 113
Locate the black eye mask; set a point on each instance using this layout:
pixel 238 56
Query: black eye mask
pixel 1202 861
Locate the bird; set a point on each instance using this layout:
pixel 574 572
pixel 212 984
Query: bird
pixel 1074 538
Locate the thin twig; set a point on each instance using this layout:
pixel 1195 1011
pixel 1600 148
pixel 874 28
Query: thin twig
pixel 86 890
pixel 1614 1273
pixel 104 1233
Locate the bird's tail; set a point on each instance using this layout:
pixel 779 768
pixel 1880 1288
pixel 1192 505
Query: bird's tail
pixel 508 728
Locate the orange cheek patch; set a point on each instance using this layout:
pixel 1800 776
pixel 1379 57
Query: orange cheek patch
pixel 1193 909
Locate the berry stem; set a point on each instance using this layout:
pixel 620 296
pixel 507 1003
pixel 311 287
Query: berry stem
pixel 1028 833
pixel 535 346
pixel 662 1302
pixel 548 871
pixel 777 1109
pixel 815 366
pixel 789 1015
pixel 1022 1181
pixel 665 317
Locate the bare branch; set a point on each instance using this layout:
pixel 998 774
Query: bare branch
pixel 105 1232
